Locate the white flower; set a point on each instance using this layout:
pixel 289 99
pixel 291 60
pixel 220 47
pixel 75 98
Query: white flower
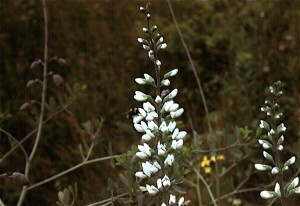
pixel 137 118
pixel 148 107
pixel 297 190
pixel 293 184
pixel 151 116
pixel 157 62
pixel 163 127
pixel 143 189
pixel 181 201
pixel 177 113
pixel 262 167
pixel 264 125
pixel 177 144
pixel 152 190
pixel 146 168
pixel 167 105
pixel 171 73
pixel 281 128
pixel 280 147
pixel 146 137
pixel 166 181
pixel 161 148
pixel 275 170
pixel 169 160
pixel 140 81
pixel 162 46
pixel 140 175
pixel 142 127
pixel 266 194
pixel 159 183
pixel 178 135
pixel 173 93
pixel 290 161
pixel 277 189
pixel 271 133
pixel 140 96
pixel 174 107
pixel 157 165
pixel 144 151
pixel 172 199
pixel 148 131
pixel 158 99
pixel 165 82
pixel 142 112
pixel 172 126
pixel 149 78
pixel 152 126
pixel 163 204
pixel 138 128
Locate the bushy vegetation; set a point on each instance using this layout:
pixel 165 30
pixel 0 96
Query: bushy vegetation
pixel 238 49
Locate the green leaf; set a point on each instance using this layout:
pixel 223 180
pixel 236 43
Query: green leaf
pixel 236 152
pixel 179 189
pixel 88 127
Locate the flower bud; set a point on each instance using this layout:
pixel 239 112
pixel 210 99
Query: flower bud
pixel 171 73
pixel 140 81
pixel 267 194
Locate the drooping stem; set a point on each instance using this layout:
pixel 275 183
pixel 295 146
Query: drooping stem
pixel 43 100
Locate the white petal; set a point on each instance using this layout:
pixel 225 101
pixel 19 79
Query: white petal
pixel 172 126
pixel 181 135
pixel 137 118
pixel 165 82
pixel 266 194
pixel 177 113
pixel 158 99
pixel 172 199
pixel 175 133
pixel 148 107
pixel 146 137
pixel 138 128
pixel 140 175
pixel 140 96
pixel 141 155
pixel 142 112
pixel 181 201
pixel 140 81
pixel 174 107
pixel 159 183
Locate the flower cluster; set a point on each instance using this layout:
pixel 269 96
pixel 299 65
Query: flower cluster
pixel 155 120
pixel 206 162
pixel 274 143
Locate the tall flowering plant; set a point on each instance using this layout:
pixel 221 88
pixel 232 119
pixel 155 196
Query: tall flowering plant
pixel 273 146
pixel 161 140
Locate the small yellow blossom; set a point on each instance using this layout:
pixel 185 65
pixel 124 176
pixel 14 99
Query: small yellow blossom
pixel 205 162
pixel 207 170
pixel 221 157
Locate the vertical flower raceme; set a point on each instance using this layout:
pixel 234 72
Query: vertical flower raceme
pixel 155 120
pixel 273 145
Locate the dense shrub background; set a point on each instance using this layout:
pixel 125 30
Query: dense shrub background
pixel 239 48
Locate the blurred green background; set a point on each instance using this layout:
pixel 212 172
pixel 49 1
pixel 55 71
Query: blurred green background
pixel 238 47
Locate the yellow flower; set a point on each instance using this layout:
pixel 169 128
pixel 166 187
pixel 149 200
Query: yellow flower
pixel 207 170
pixel 220 157
pixel 205 162
pixel 213 158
